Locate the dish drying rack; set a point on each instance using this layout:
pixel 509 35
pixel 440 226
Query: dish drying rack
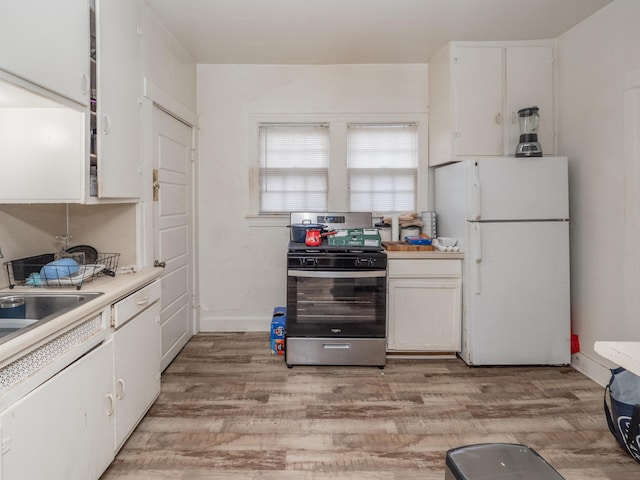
pixel 29 271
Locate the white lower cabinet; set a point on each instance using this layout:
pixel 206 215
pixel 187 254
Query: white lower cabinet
pixel 71 426
pixel 64 428
pixel 424 305
pixel 136 361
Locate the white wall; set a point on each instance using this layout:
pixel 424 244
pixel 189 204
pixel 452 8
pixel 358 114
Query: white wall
pixel 27 230
pixel 594 58
pixel 242 258
pixel 170 71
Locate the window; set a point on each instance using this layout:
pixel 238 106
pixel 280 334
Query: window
pixel 337 163
pixel 382 163
pixel 294 167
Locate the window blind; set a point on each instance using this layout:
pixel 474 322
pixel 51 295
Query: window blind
pixel 294 167
pixel 382 165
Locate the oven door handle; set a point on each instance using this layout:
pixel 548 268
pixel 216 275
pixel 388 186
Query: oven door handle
pixel 342 274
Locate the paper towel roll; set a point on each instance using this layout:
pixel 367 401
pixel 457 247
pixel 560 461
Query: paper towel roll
pixel 395 228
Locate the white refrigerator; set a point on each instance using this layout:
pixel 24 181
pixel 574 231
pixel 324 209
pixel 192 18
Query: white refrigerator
pixel 511 218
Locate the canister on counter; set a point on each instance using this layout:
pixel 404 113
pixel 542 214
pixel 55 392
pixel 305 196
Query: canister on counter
pixel 384 231
pixel 13 307
pixel 410 231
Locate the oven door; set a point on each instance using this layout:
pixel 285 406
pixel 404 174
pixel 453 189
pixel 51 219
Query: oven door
pixel 336 303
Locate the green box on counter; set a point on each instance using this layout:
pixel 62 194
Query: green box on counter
pixel 356 237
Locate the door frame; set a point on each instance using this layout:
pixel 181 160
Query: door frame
pixel 631 269
pixel 145 245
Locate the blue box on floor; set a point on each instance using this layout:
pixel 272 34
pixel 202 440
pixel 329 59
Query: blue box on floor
pixel 278 327
pixel 277 346
pixel 278 322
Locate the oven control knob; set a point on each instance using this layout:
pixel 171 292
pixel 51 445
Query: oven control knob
pixel 308 262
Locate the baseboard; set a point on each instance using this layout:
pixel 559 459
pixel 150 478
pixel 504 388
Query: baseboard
pixel 227 324
pixel 591 368
pixel 420 355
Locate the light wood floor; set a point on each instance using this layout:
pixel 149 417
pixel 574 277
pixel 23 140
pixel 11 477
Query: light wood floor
pixel 230 410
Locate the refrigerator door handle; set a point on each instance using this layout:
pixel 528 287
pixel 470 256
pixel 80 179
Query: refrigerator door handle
pixel 477 255
pixel 476 192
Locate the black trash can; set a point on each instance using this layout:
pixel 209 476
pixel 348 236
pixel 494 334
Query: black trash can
pixel 493 461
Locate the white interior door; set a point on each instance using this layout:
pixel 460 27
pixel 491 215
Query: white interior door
pixel 172 153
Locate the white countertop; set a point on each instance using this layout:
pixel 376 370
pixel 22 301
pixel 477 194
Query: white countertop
pixel 625 354
pixel 113 289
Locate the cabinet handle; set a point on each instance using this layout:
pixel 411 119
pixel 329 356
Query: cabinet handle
pixel 477 194
pixel 110 409
pixel 144 300
pixel 477 256
pixel 498 118
pixel 85 83
pixel 121 390
pixel 107 124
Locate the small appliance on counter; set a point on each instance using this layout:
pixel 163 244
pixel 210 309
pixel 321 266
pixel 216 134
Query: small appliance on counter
pixel 529 119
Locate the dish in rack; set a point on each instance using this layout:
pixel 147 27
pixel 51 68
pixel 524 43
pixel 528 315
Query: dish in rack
pixel 84 273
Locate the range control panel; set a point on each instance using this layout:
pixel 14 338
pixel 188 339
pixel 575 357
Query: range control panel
pixel 334 220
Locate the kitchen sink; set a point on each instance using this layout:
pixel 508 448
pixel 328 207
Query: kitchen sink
pixel 29 310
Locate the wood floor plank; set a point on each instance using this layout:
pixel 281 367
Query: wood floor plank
pixel 229 410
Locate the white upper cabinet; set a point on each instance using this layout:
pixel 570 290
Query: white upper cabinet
pixel 70 101
pixel 529 73
pixel 119 98
pixel 478 88
pixel 42 147
pixel 475 91
pixel 46 42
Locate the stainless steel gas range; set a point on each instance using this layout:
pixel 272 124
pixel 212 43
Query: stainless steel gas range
pixel 336 298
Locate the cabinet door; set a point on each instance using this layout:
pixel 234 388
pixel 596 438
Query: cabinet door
pixel 137 370
pixel 63 429
pixel 478 87
pixel 42 153
pixel 47 43
pixel 119 98
pixel 424 315
pixel 529 72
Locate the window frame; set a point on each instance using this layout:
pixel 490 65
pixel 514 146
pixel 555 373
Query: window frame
pixel 338 195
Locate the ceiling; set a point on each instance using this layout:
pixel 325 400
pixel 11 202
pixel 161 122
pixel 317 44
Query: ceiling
pixel 320 32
